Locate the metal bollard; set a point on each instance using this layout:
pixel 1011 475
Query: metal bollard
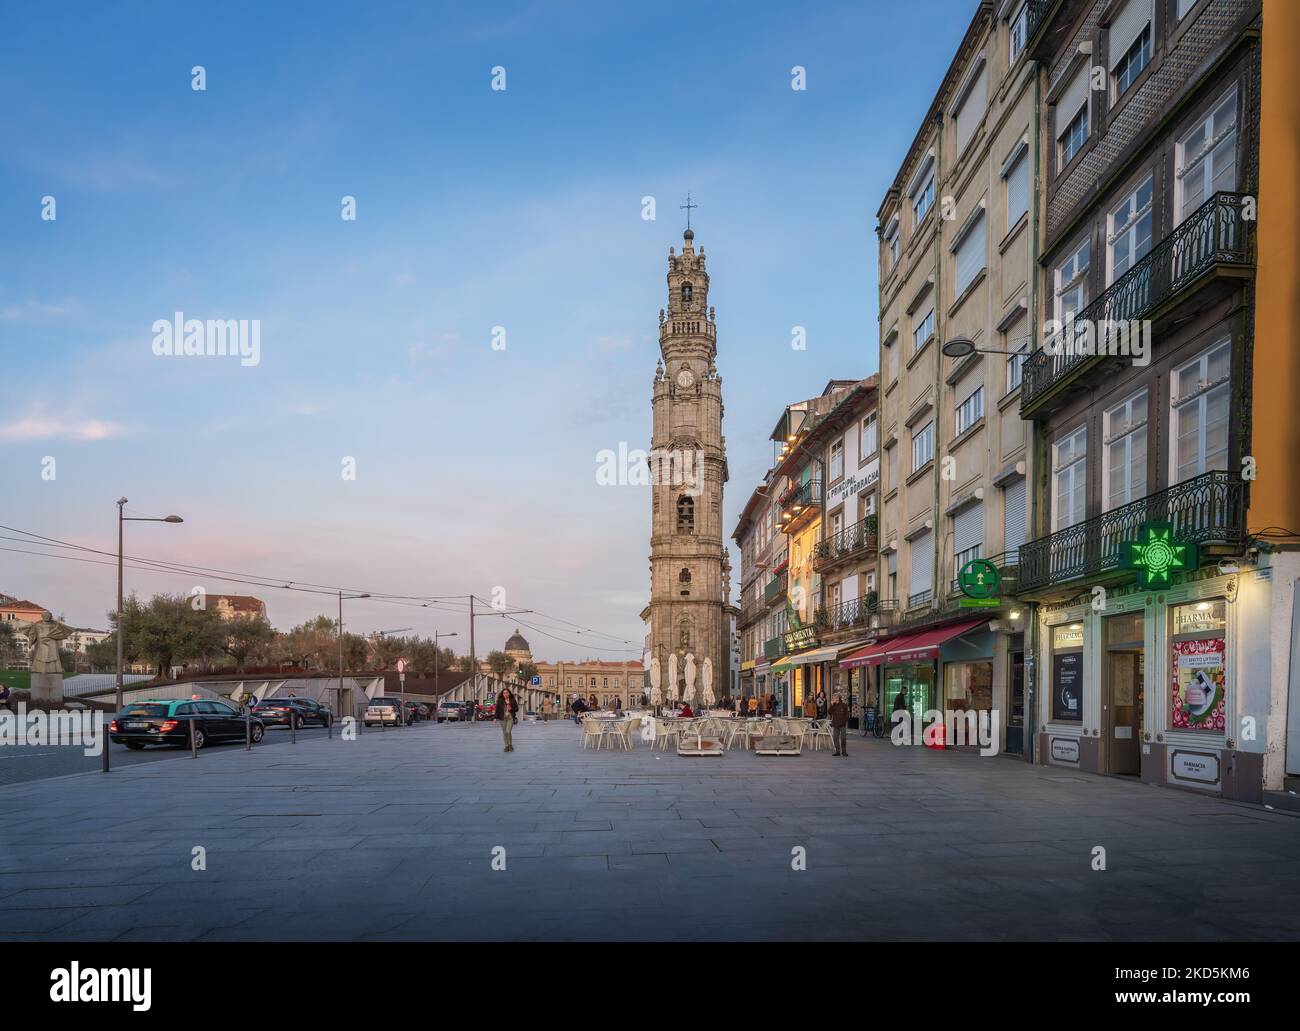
pixel 293 729
pixel 194 748
pixel 329 726
pixel 103 729
pixel 248 729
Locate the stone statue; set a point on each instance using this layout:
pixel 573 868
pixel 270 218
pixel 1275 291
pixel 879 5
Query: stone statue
pixel 707 697
pixel 44 637
pixel 690 676
pixel 47 668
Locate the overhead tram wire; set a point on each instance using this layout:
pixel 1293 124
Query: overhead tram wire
pixel 441 603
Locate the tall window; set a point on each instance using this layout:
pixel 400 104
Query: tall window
pixel 1199 419
pixel 687 292
pixel 1071 278
pixel 1129 44
pixel 1018 27
pixel 922 445
pixel 923 196
pixel 867 440
pixel 891 243
pixel 1124 428
pixel 1015 174
pixel 1072 118
pixel 1205 160
pixel 1128 230
pixel 970 109
pixel 1069 479
pixel 967 535
pixel 923 331
pixel 969 255
pixel 837 459
pixel 685 514
pixel 1016 363
pixel 970 411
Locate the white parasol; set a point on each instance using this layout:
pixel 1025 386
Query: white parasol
pixel 672 676
pixel 690 676
pixel 707 697
pixel 656 696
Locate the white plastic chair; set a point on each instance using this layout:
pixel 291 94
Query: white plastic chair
pixel 819 733
pixel 591 733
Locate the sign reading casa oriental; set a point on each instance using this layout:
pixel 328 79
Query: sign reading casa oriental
pixel 1156 555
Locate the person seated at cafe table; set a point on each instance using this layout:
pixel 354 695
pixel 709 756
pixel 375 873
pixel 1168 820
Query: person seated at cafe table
pixel 686 712
pixel 753 705
pixel 809 708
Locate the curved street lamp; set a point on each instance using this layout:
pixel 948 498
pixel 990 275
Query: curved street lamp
pixel 122 518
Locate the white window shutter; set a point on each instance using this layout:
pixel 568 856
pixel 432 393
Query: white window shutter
pixel 922 563
pixel 1127 26
pixel 968 528
pixel 1013 515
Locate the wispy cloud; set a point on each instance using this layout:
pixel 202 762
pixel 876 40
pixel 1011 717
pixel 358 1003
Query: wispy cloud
pixel 40 424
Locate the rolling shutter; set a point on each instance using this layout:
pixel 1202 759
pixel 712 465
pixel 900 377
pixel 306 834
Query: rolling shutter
pixel 1074 97
pixel 1013 515
pixel 968 528
pixel 970 255
pixel 1127 26
pixel 972 109
pixel 922 563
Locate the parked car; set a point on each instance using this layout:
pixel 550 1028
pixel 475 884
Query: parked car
pixel 167 722
pixel 415 712
pixel 451 712
pixel 385 709
pixel 277 712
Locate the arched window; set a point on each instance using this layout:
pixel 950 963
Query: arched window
pixel 685 514
pixel 687 291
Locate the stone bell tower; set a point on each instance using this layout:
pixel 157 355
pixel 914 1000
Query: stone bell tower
pixel 690 567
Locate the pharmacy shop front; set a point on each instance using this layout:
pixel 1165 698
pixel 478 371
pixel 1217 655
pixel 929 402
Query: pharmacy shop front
pixel 1154 684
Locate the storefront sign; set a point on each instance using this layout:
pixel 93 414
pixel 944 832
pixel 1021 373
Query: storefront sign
pixel 1197 695
pixel 1156 554
pixel 979 578
pixel 1065 750
pixel 1198 768
pixel 1067 686
pixel 851 485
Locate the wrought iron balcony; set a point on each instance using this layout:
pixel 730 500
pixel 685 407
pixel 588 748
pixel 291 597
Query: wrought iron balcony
pixel 1207 509
pixel 1216 235
pixel 775 588
pixel 801 496
pixel 858 614
pixel 858 539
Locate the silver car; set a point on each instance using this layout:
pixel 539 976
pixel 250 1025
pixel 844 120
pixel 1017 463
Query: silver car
pixel 384 710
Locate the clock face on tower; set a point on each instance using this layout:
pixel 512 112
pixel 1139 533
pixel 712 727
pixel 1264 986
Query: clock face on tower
pixel 685 378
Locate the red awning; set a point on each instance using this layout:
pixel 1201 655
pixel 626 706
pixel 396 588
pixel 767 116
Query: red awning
pixel 925 645
pixel 871 655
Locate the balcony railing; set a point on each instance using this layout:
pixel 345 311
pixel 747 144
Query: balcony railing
pixel 1216 233
pixel 775 588
pixel 919 598
pixel 857 614
pixel 859 538
pixel 802 495
pixel 1207 509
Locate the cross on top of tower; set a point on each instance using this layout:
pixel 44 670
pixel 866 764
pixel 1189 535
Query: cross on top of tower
pixel 688 206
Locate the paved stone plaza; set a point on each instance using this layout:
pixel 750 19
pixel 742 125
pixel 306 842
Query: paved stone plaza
pixel 391 836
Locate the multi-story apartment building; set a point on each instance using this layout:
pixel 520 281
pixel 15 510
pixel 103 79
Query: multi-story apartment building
pixel 957 245
pixel 1140 560
pixel 804 597
pixel 761 622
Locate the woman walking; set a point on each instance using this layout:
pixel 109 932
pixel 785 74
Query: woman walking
pixel 507 708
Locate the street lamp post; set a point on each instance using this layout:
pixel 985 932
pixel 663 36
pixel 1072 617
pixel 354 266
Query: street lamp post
pixel 123 518
pixel 436 655
pixel 339 697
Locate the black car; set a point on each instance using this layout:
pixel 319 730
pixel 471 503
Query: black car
pixel 167 722
pixel 277 712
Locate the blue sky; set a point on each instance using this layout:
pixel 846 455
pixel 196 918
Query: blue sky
pixel 475 208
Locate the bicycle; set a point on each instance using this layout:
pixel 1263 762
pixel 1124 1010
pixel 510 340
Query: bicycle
pixel 873 724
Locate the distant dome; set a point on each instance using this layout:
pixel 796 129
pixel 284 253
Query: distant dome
pixel 517 644
pixel 689 234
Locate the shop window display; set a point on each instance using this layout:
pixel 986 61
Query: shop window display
pixel 1197 668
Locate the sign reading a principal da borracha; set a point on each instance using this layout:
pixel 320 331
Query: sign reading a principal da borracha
pixel 851 485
